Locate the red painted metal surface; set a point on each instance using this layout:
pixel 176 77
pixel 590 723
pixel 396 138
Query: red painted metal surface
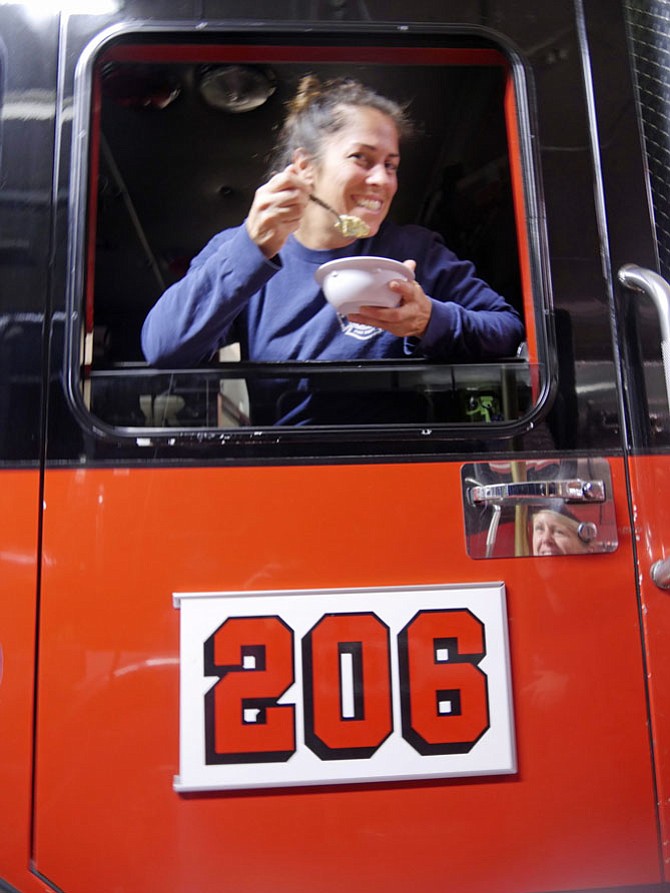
pixel 650 484
pixel 18 564
pixel 580 812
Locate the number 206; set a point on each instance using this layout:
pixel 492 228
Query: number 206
pixel 347 686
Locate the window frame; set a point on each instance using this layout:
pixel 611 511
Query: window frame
pixel 368 44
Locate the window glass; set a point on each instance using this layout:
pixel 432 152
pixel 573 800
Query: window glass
pixel 180 137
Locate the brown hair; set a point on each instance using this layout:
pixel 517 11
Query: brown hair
pixel 319 109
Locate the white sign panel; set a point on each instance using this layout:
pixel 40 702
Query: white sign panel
pixel 340 686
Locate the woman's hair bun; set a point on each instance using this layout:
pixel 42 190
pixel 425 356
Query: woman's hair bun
pixel 309 90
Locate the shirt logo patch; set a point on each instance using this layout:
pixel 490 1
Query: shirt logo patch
pixel 357 330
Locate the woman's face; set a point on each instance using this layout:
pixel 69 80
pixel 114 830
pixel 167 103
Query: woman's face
pixel 356 174
pixel 555 535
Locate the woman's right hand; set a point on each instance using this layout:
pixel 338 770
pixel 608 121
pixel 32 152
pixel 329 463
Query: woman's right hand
pixel 277 210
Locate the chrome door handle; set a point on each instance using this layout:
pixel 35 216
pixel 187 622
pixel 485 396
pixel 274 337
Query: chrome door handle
pixel 655 287
pixel 520 492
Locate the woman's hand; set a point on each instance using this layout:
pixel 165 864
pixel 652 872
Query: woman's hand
pixel 277 210
pixel 409 319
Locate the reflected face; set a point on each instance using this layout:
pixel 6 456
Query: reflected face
pixel 357 171
pixel 554 534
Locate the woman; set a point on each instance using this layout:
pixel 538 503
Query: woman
pixel 255 283
pixel 559 532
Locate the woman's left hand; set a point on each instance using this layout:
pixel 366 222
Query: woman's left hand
pixel 409 319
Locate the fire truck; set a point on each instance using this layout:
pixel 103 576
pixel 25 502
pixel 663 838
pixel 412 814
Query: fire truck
pixel 245 656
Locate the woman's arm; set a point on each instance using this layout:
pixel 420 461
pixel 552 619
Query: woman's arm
pixel 448 313
pixel 191 319
pixel 470 321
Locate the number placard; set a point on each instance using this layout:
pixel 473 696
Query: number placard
pixel 338 686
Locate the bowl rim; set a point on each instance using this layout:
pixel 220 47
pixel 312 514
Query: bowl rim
pixel 363 262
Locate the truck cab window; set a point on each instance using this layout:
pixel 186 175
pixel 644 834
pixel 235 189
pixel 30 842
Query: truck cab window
pixel 181 137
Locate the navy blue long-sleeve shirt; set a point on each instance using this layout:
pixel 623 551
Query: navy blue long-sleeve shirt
pixel 277 311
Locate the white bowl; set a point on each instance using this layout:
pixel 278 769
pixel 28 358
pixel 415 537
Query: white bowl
pixel 350 283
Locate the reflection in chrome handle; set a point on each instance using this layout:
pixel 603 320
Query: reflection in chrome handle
pixel 655 287
pixel 575 490
pixel 493 531
pixel 660 573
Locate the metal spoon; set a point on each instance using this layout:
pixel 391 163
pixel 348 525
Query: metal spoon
pixel 347 224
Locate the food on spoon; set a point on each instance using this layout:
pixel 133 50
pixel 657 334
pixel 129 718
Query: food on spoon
pixel 350 226
pixel 353 227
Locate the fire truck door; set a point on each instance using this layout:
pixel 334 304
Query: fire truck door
pixel 139 532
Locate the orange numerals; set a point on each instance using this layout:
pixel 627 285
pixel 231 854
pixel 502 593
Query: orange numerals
pixel 347 686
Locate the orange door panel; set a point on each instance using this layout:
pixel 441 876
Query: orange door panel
pixel 19 502
pixel 579 812
pixel 650 482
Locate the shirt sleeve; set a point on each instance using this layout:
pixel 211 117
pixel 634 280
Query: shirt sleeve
pixel 192 318
pixel 469 320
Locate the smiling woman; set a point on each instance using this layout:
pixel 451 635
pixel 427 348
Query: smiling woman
pixel 356 171
pixel 315 113
pixel 255 283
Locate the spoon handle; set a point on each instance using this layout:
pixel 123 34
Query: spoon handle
pixel 318 201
